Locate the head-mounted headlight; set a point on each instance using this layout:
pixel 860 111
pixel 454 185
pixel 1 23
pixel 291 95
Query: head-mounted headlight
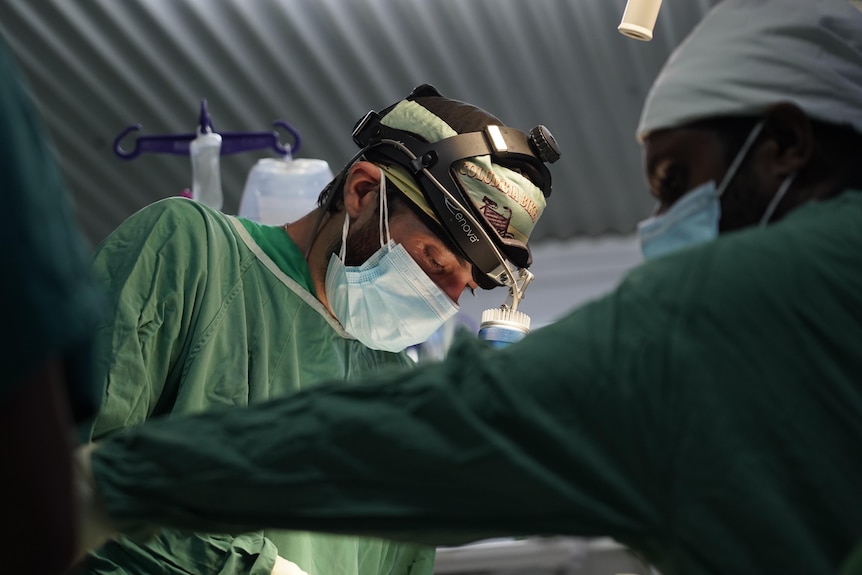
pixel 432 166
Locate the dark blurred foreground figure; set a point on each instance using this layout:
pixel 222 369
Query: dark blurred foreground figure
pixel 707 413
pixel 49 310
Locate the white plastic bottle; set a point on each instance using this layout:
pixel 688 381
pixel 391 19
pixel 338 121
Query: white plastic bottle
pixel 281 190
pixel 205 153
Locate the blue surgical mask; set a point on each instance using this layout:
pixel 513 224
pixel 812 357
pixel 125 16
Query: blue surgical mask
pixel 388 303
pixel 694 218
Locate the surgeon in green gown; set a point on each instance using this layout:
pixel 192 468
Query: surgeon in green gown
pixel 707 413
pixel 211 311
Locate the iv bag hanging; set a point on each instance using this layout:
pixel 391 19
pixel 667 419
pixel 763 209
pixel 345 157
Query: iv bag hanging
pixel 204 147
pixel 282 190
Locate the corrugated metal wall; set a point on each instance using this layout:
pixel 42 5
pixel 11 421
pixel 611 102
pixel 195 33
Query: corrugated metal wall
pixel 97 66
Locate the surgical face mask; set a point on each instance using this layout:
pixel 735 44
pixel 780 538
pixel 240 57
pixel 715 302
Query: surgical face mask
pixel 694 218
pixel 388 303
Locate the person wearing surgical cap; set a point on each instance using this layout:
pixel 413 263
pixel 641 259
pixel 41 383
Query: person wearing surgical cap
pixel 707 413
pixel 207 311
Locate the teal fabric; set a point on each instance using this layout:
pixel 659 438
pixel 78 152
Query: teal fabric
pixel 708 413
pixel 853 564
pixel 201 318
pixel 50 304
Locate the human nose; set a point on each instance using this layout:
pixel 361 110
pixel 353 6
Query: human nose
pixel 455 283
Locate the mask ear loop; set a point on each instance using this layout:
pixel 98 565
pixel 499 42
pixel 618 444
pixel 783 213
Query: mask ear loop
pixel 383 222
pixel 740 156
pixel 776 199
pixel 333 186
pixel 343 251
pixel 384 212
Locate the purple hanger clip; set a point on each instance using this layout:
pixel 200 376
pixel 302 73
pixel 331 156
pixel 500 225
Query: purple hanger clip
pixel 232 142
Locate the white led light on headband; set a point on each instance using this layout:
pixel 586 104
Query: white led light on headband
pixel 497 138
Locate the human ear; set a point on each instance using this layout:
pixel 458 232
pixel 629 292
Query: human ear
pixel 362 179
pixel 788 129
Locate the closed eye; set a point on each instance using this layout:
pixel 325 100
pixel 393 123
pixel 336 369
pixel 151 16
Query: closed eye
pixel 436 267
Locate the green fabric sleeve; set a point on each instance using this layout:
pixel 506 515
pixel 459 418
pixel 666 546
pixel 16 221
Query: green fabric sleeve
pixel 447 429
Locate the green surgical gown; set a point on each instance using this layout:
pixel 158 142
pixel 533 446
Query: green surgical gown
pixel 201 317
pixel 707 413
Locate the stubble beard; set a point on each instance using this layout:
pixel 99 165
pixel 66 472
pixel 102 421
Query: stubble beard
pixel 362 243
